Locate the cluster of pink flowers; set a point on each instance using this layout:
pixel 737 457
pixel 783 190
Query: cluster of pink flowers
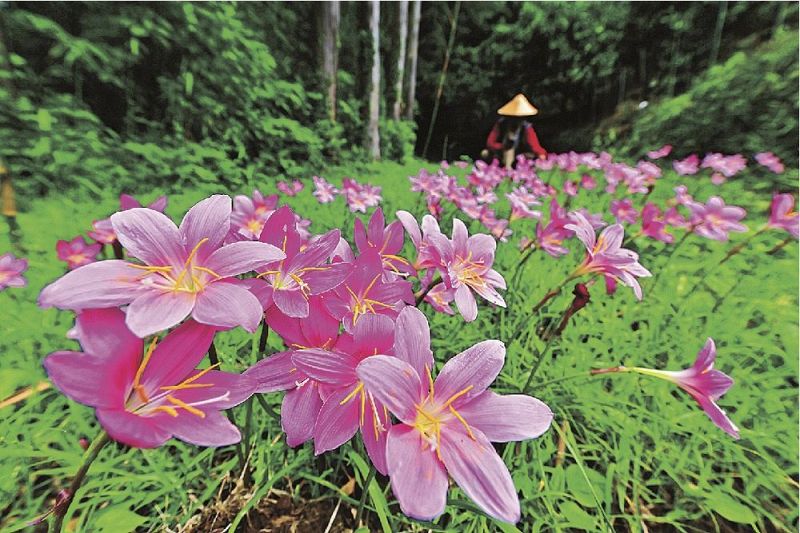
pixel 11 270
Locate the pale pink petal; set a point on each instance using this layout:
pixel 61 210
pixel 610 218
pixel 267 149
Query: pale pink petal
pixel 412 340
pixel 418 478
pixel 96 285
pixel 155 311
pixel 374 430
pixel 103 333
pixel 150 236
pixel 208 219
pixel 394 383
pixel 332 368
pixel 227 304
pixel 221 390
pixel 411 226
pixel 131 429
pixel 475 466
pixel 291 301
pixel 507 418
pixel 240 257
pixel 316 252
pixel 276 372
pixel 465 301
pixel 474 368
pixel 177 355
pixel 299 413
pixel 718 416
pixel 212 430
pixel 337 422
pixel 329 278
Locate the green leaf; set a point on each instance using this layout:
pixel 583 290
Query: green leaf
pixel 45 119
pixel 730 509
pixel 117 519
pixel 580 489
pixel 375 493
pixel 576 517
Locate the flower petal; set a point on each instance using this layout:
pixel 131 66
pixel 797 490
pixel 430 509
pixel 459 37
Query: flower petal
pixel 374 430
pixel 299 413
pixel 213 429
pixel 175 357
pixel 332 368
pixel 412 340
pixel 227 304
pixel 150 236
pixel 77 375
pixel 465 301
pixel 241 257
pixel 131 429
pixel 419 480
pixel 276 372
pixel 96 285
pixel 475 466
pixel 507 418
pixel 155 311
pixel 475 368
pixel 394 383
pixel 717 415
pixel 103 333
pixel 291 301
pixel 208 219
pixel 337 422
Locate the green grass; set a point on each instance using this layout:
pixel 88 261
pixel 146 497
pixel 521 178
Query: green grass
pixel 624 451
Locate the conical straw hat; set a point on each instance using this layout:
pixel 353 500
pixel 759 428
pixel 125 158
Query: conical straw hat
pixel 519 106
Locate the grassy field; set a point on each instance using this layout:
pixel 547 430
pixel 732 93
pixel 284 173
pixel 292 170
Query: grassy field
pixel 624 451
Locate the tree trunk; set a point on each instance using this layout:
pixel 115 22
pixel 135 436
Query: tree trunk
pixel 330 52
pixel 375 81
pixel 721 14
pixel 413 49
pixel 402 28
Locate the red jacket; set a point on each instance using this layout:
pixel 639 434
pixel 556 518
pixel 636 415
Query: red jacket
pixel 495 141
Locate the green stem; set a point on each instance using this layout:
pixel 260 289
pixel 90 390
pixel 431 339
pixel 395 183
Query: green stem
pixel 675 248
pixel 732 252
pixel 423 293
pixel 781 245
pixel 264 405
pixel 364 490
pixel 550 334
pixel 262 341
pixel 89 456
pixel 214 358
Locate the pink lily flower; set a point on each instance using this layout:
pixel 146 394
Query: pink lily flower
pixel 386 240
pixel 366 291
pixel 427 254
pixel 570 188
pixel 664 151
pixel 595 219
pixel 521 209
pixel 673 218
pixel 605 254
pixel 290 189
pixel 651 171
pixel 718 179
pixel 770 161
pixel 302 403
pixel 440 298
pixel 654 225
pixel 184 271
pixel 77 252
pixel 145 396
pixel 348 405
pixel 126 201
pixel 102 231
pixel 688 166
pixel 467 266
pixel 324 192
pixel 588 182
pixel 705 384
pixel 624 211
pixel 729 165
pixel 11 269
pixel 249 215
pixel 715 219
pixel 682 196
pixel 447 426
pixel 782 214
pixel 499 229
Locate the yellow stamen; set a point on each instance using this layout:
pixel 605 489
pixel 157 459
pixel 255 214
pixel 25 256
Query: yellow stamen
pixel 180 403
pixel 189 259
pixel 463 422
pixel 363 406
pixel 167 409
pixel 457 395
pixel 187 383
pixel 430 383
pixel 209 272
pixel 139 371
pixel 352 394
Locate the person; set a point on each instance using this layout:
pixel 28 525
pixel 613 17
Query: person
pixel 512 135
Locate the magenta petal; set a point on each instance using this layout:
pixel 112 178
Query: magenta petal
pixel 222 390
pixel 419 480
pixel 337 422
pixel 332 368
pixel 208 219
pixel 274 373
pixel 320 327
pixel 360 235
pixel 241 257
pixel 227 304
pixel 299 413
pixel 476 367
pixel 177 355
pixel 475 466
pixel 507 418
pixel 213 429
pixel 103 333
pixel 374 430
pixel 291 301
pixel 96 285
pixel 324 280
pixel 78 376
pixel 411 226
pixel 394 383
pixel 316 252
pixel 126 201
pixel 150 236
pixel 717 415
pixel 155 311
pixel 412 340
pixel 376 226
pixel 465 301
pixel 261 290
pixel 130 429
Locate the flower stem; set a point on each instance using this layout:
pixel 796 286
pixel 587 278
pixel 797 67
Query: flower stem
pixel 527 253
pixel 675 248
pixel 780 246
pixel 89 456
pixel 552 293
pixel 262 341
pixel 364 490
pixel 732 252
pixel 423 293
pixel 214 358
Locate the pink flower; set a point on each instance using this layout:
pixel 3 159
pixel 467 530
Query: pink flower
pixel 729 165
pixel 249 215
pixel 359 197
pixel 184 271
pixel 595 219
pixel 440 298
pixel 498 227
pixel 551 236
pixel 606 255
pixel 77 252
pixel 654 225
pixel 682 197
pixel 126 201
pixel 687 166
pixel 570 188
pixel 102 231
pixel 348 405
pixel 718 179
pixel 714 220
pixel 292 279
pixel 782 215
pixel 624 211
pixel 427 255
pixel 290 189
pixel 466 266
pixel 588 182
pixel 664 151
pixel 144 396
pixel 365 291
pixel 324 192
pixel 651 171
pixel 447 426
pixel 673 218
pixel 771 161
pixel 11 269
pixel 704 384
pixel 302 402
pixel 386 240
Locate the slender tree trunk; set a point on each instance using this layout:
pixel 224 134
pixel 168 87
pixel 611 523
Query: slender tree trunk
pixel 413 49
pixel 442 76
pixel 402 29
pixel 375 81
pixel 330 52
pixel 623 73
pixel 721 14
